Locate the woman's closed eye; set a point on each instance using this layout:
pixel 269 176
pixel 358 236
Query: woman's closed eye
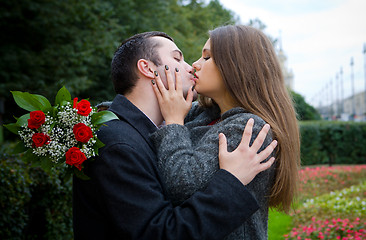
pixel 206 58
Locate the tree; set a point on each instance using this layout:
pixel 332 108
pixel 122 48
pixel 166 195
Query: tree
pixel 49 44
pixel 303 109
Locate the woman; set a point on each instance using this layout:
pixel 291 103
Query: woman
pixel 239 77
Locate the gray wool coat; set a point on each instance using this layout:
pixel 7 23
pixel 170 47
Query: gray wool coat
pixel 188 158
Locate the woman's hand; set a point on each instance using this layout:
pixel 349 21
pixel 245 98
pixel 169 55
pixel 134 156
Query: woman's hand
pixel 174 107
pixel 244 162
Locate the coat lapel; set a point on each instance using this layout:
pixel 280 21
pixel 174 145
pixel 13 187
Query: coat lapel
pixel 129 113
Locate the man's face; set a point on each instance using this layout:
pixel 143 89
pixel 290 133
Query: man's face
pixel 171 55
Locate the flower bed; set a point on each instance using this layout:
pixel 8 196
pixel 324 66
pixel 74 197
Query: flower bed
pixel 330 229
pixel 323 180
pixel 332 204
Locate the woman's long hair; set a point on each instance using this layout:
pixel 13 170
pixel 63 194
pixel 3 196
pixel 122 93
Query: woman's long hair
pixel 252 74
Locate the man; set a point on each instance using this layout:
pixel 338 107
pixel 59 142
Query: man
pixel 125 198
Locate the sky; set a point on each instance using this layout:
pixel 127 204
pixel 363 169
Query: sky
pixel 319 37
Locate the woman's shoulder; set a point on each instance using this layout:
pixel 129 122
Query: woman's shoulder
pixel 235 120
pixel 198 110
pixel 240 116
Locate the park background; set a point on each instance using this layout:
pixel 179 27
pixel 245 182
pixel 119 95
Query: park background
pixel 49 44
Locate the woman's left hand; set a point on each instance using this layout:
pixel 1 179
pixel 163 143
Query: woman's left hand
pixel 174 107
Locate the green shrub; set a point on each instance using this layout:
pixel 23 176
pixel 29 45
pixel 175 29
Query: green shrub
pixel 34 205
pixel 326 142
pixel 311 148
pixel 14 197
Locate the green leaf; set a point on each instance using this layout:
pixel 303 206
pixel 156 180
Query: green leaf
pixel 27 101
pixel 54 111
pixel 98 144
pixel 45 104
pixel 23 120
pixel 29 157
pixel 102 117
pixel 80 174
pixel 68 174
pixel 19 148
pixel 46 164
pixel 12 127
pixel 62 95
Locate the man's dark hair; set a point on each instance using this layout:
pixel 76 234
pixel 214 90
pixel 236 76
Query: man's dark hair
pixel 124 62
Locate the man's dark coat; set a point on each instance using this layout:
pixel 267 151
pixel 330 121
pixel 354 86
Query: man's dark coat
pixel 125 197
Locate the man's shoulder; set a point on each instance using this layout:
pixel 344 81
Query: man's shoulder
pixel 117 131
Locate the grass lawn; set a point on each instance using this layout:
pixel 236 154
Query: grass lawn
pixel 278 225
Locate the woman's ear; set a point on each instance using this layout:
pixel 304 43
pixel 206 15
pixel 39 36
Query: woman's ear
pixel 145 69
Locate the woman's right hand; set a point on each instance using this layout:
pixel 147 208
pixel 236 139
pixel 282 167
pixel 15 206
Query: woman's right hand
pixel 174 107
pixel 244 162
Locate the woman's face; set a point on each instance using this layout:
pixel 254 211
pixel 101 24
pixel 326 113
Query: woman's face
pixel 209 81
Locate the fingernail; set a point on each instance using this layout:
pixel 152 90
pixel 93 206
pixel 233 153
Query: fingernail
pixel 176 69
pixel 153 82
pixel 193 87
pixel 275 142
pixel 166 67
pixel 156 73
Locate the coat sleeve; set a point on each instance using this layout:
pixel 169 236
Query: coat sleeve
pixel 134 200
pixel 186 168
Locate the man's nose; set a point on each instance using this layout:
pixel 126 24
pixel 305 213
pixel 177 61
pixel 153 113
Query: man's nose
pixel 188 67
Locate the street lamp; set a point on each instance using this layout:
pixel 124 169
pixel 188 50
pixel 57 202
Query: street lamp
pixel 364 95
pixel 331 99
pixel 337 96
pixel 341 79
pixel 353 90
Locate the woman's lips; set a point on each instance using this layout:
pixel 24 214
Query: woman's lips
pixel 195 77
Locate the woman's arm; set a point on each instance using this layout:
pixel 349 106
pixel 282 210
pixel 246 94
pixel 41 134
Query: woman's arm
pixel 187 168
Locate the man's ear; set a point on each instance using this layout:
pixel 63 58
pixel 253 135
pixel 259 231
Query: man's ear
pixel 145 68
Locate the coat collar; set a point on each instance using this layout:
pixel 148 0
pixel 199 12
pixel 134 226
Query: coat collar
pixel 128 112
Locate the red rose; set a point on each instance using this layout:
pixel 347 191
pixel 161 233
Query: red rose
pixel 83 107
pixel 75 157
pixel 82 132
pixel 40 139
pixel 37 118
pixel 75 102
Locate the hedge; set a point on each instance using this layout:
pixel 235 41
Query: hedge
pixel 325 142
pixel 35 205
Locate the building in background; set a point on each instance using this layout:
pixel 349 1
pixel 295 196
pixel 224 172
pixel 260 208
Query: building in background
pixel 344 110
pixel 359 110
pixel 288 75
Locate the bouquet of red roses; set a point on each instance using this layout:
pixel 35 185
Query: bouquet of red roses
pixel 64 134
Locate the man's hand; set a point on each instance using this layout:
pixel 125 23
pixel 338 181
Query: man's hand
pixel 244 162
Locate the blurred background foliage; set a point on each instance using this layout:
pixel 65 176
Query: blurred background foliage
pixel 47 44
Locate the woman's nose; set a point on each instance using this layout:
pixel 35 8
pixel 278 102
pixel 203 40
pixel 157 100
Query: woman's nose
pixel 196 65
